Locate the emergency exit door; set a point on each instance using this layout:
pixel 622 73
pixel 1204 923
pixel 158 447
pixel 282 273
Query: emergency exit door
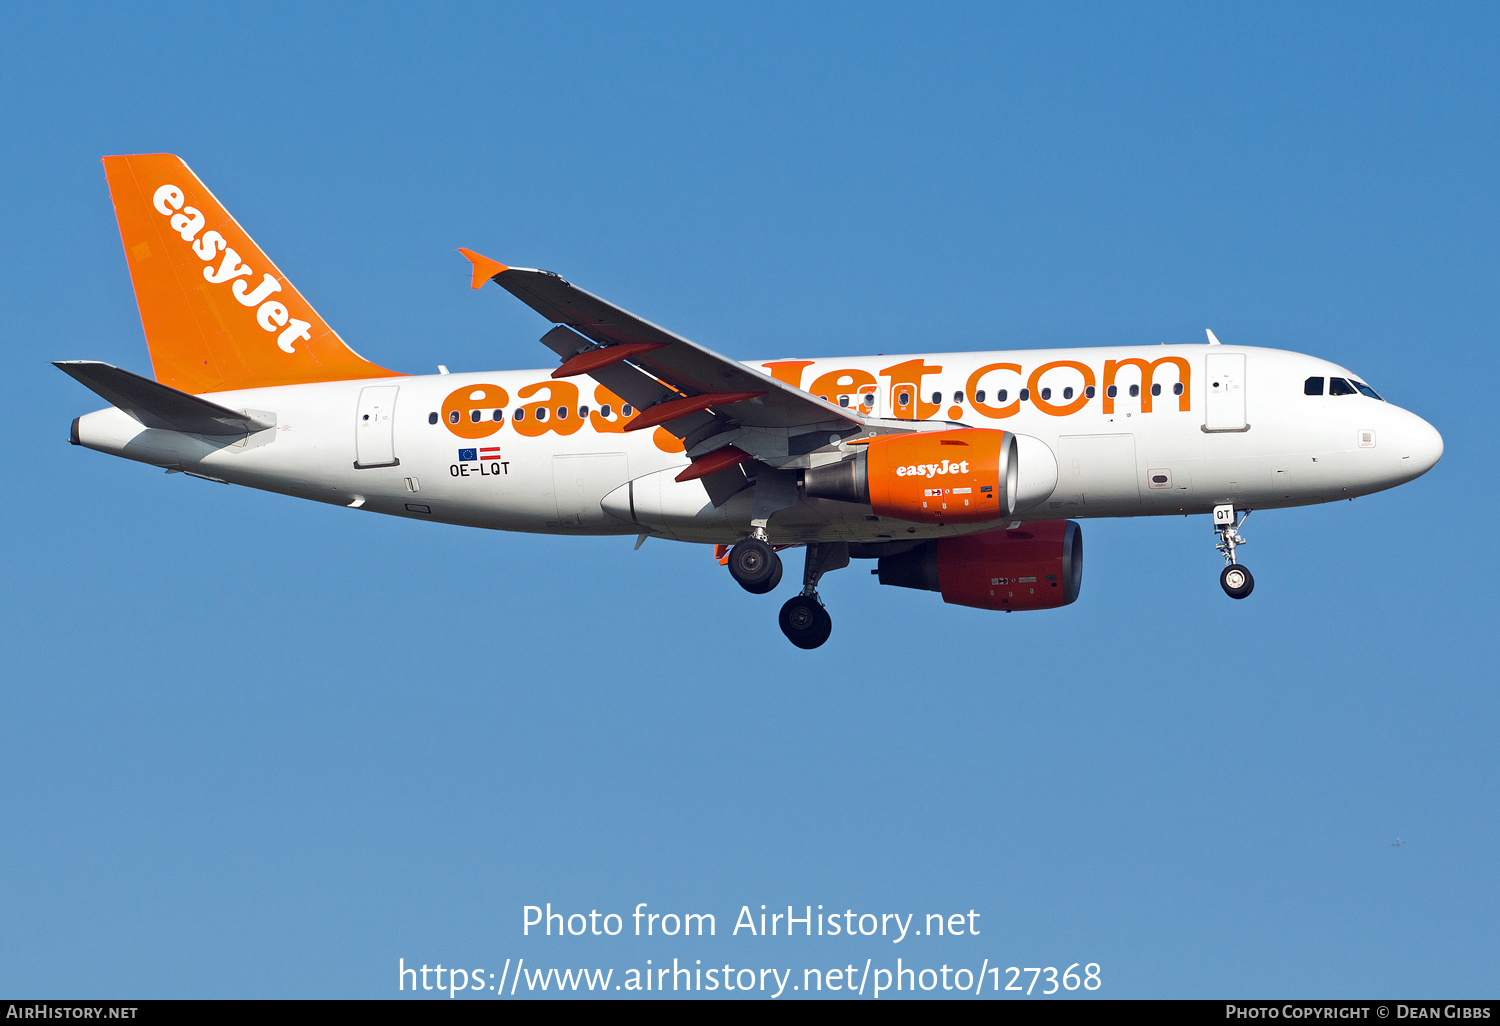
pixel 375 427
pixel 1224 393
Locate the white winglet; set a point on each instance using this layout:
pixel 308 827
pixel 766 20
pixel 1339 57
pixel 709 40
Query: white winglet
pixel 1213 339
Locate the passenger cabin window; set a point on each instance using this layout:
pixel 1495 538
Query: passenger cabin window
pixel 474 416
pixel 520 414
pixel 1068 392
pixel 1025 395
pixel 1112 391
pixel 1338 386
pixel 562 413
pixel 604 411
pixel 1366 390
pixel 1135 390
pixel 903 399
pixel 1156 390
pixel 843 400
pixel 541 413
pixel 958 397
pixel 583 413
pixel 432 418
pixel 1046 394
pixel 453 417
pixel 869 399
pixel 937 398
pixel 1002 395
pixel 1312 386
pixel 979 396
pixel 625 410
pixel 498 415
pixel 1177 388
pixel 1089 391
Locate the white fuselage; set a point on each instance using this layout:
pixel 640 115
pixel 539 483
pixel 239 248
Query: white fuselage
pixel 1241 431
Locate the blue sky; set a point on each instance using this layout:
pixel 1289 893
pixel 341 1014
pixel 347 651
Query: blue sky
pixel 261 747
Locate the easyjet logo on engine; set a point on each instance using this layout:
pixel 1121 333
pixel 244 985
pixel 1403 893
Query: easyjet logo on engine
pixel 270 314
pixel 934 469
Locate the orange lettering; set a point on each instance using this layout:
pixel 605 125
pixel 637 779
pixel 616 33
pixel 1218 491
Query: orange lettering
pixel 841 382
pixel 788 371
pixel 906 380
pixel 666 441
pixel 616 423
pixel 993 412
pixel 558 412
pixel 1072 407
pixel 469 411
pixel 1148 371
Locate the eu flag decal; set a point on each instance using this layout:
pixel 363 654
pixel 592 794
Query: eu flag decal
pixel 467 455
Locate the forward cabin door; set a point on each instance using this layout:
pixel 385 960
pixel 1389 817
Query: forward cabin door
pixel 1224 393
pixel 375 427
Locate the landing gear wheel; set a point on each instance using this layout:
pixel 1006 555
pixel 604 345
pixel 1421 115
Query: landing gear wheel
pixel 755 565
pixel 1236 581
pixel 770 585
pixel 805 622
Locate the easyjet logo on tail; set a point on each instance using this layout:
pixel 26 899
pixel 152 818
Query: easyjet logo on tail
pixel 270 314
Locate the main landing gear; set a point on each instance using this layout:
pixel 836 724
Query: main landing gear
pixel 805 622
pixel 1235 579
pixel 757 568
pixel 803 619
pixel 755 565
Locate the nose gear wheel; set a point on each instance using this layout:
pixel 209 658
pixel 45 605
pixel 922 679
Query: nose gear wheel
pixel 1236 581
pixel 1235 578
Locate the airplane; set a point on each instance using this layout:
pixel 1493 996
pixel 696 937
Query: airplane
pixel 963 473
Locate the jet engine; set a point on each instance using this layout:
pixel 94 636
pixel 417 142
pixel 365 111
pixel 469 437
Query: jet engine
pixel 963 476
pixel 1035 566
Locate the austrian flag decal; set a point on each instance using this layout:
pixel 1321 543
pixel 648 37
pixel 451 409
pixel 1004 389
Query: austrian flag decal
pixel 470 455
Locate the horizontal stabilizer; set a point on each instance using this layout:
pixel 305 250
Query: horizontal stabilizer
pixel 158 406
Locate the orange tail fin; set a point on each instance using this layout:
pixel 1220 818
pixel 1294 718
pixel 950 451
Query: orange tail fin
pixel 218 314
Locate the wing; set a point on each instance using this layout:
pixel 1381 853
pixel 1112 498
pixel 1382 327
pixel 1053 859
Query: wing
pixel 706 399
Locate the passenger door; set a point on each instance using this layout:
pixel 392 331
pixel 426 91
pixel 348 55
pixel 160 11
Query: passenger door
pixel 375 427
pixel 1224 393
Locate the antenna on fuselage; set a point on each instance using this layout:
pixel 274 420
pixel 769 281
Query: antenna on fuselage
pixel 1213 339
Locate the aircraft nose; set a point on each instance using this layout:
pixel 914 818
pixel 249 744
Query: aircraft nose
pixel 1421 446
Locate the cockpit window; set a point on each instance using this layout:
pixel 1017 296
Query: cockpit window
pixel 1312 386
pixel 1365 389
pixel 1338 386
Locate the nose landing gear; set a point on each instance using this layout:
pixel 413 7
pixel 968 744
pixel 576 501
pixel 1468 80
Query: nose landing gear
pixel 1235 579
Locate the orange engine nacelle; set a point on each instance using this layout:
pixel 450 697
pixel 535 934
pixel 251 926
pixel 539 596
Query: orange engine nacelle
pixel 963 476
pixel 1037 566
